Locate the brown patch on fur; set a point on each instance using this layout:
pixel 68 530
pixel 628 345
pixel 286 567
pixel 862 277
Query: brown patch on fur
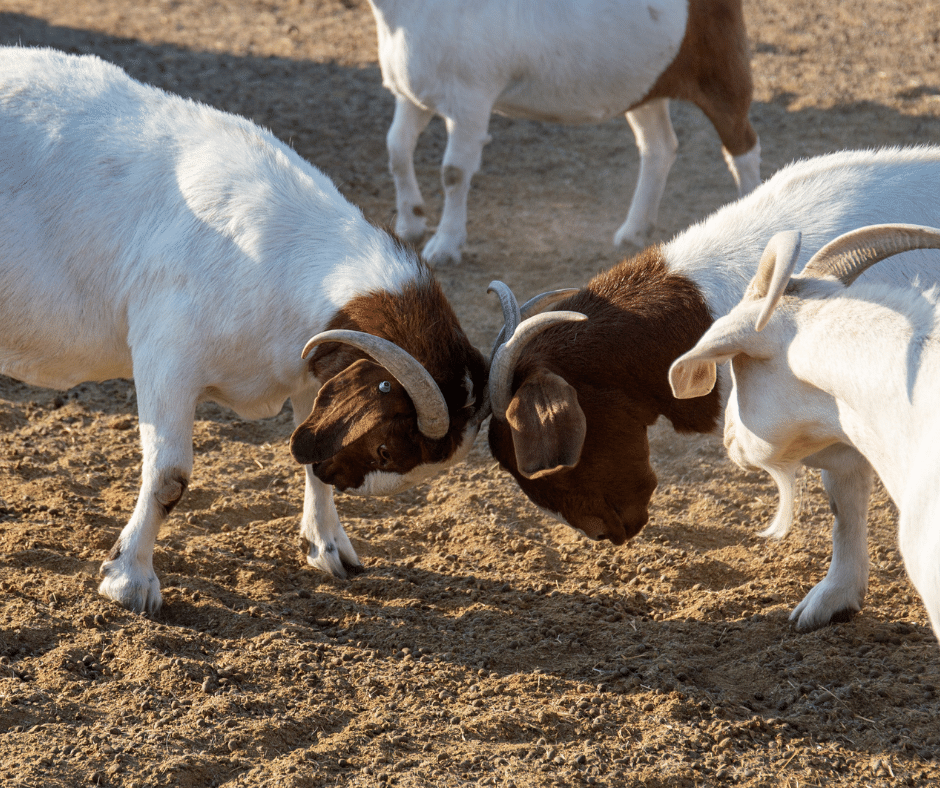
pixel 712 70
pixel 641 317
pixel 452 175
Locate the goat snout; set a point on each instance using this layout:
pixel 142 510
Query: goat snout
pixel 615 529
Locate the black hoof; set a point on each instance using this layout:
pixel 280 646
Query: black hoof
pixel 353 569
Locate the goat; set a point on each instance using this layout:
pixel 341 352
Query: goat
pixel 145 235
pixel 571 406
pixel 816 363
pixel 568 61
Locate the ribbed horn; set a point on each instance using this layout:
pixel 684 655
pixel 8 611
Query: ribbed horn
pixel 433 416
pixel 851 254
pixel 513 314
pixel 507 356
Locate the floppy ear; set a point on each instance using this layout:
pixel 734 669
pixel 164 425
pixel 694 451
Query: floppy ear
pixel 547 424
pixel 694 373
pixel 347 406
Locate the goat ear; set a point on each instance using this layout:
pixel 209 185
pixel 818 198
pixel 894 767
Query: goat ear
pixel 773 273
pixel 345 409
pixel 694 373
pixel 547 424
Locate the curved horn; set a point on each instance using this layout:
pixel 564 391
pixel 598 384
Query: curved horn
pixel 851 254
pixel 514 314
pixel 433 416
pixel 773 273
pixel 507 356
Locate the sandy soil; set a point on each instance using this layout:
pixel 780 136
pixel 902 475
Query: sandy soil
pixel 485 645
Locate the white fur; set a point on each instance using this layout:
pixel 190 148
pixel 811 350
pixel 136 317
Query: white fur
pixel 144 235
pixel 822 197
pixel 856 366
pixel 385 483
pixel 568 61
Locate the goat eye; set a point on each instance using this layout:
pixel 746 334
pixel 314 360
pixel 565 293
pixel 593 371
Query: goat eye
pixel 385 387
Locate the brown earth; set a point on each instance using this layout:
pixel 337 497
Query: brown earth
pixel 486 645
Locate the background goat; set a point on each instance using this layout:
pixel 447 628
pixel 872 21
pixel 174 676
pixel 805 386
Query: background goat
pixel 571 406
pixel 145 235
pixel 568 61
pixel 815 364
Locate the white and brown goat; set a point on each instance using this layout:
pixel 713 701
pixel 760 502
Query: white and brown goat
pixel 144 235
pixel 572 405
pixel 816 363
pixel 566 61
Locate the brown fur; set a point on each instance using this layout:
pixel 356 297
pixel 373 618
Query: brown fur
pixel 354 428
pixel 713 71
pixel 641 318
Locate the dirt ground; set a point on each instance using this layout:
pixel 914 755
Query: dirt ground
pixel 486 644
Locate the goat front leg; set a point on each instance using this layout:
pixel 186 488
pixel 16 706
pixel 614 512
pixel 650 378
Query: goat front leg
pixel 466 136
pixel 657 144
pixel 166 435
pixel 848 479
pixel 409 121
pixel 918 531
pixel 325 543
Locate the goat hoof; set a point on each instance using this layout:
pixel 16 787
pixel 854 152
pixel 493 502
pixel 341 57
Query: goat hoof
pixel 353 569
pixel 441 251
pixel 410 234
pixel 135 590
pixel 843 616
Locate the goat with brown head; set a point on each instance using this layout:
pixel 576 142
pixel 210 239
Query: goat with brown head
pixel 571 405
pixel 403 396
pixel 571 409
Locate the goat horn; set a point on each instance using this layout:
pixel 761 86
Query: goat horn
pixel 851 254
pixel 433 416
pixel 513 314
pixel 773 273
pixel 507 355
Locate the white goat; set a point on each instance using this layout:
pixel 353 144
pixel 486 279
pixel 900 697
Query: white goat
pixel 567 61
pixel 145 235
pixel 815 363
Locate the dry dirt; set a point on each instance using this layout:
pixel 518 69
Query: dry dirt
pixel 485 645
